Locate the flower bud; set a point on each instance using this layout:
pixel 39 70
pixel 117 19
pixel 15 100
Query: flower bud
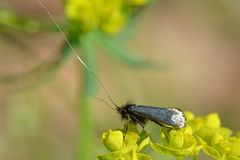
pixel 176 138
pixel 235 148
pixel 213 120
pixel 113 140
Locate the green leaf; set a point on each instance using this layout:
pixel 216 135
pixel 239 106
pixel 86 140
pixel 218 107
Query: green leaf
pixel 211 152
pixel 143 144
pixel 117 51
pixel 231 157
pixel 141 156
pixel 109 156
pixel 172 151
pixel 127 153
pixel 195 157
pixel 43 72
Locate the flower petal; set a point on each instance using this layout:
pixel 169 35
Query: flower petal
pixel 143 144
pixel 131 138
pixel 113 140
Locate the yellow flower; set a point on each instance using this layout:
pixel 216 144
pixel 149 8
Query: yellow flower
pixel 178 142
pixel 113 140
pixel 138 2
pixel 124 146
pixel 189 115
pixel 207 126
pixel 224 148
pixel 212 120
pixel 218 143
pixel 83 12
pixel 110 16
pixel 235 146
pixel 113 23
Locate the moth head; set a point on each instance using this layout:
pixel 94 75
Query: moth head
pixel 123 112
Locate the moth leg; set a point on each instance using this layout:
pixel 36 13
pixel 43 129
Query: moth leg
pixel 134 118
pixel 142 125
pixel 125 129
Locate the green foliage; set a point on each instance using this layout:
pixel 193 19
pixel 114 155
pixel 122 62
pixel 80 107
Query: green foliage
pixel 88 22
pixel 201 133
pixel 11 20
pixel 94 21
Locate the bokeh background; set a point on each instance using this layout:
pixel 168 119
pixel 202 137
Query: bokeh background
pixel 197 43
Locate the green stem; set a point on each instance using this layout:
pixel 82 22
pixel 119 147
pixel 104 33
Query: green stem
pixel 195 157
pixel 85 130
pixel 89 58
pixel 85 113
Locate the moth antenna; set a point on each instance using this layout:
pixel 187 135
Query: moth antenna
pixel 100 99
pixel 75 53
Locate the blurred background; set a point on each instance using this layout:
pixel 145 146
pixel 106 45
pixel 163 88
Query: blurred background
pixel 197 43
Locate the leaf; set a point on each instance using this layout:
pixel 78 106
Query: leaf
pixel 172 151
pixel 233 158
pixel 211 152
pixel 141 156
pixel 43 72
pixel 117 51
pixel 109 156
pixel 143 144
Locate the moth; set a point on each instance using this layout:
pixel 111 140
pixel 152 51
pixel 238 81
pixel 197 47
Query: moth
pixel 138 114
pixel 141 114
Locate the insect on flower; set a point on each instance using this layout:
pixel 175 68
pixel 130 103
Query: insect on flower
pixel 167 117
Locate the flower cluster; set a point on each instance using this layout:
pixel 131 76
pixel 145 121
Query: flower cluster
pixel 108 16
pixel 178 142
pixel 125 146
pixel 201 133
pixel 219 142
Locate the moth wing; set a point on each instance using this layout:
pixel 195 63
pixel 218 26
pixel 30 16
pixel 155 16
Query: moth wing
pixel 168 117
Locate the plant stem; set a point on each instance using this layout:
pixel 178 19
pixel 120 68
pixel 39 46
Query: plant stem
pixel 85 151
pixel 85 130
pixel 195 157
